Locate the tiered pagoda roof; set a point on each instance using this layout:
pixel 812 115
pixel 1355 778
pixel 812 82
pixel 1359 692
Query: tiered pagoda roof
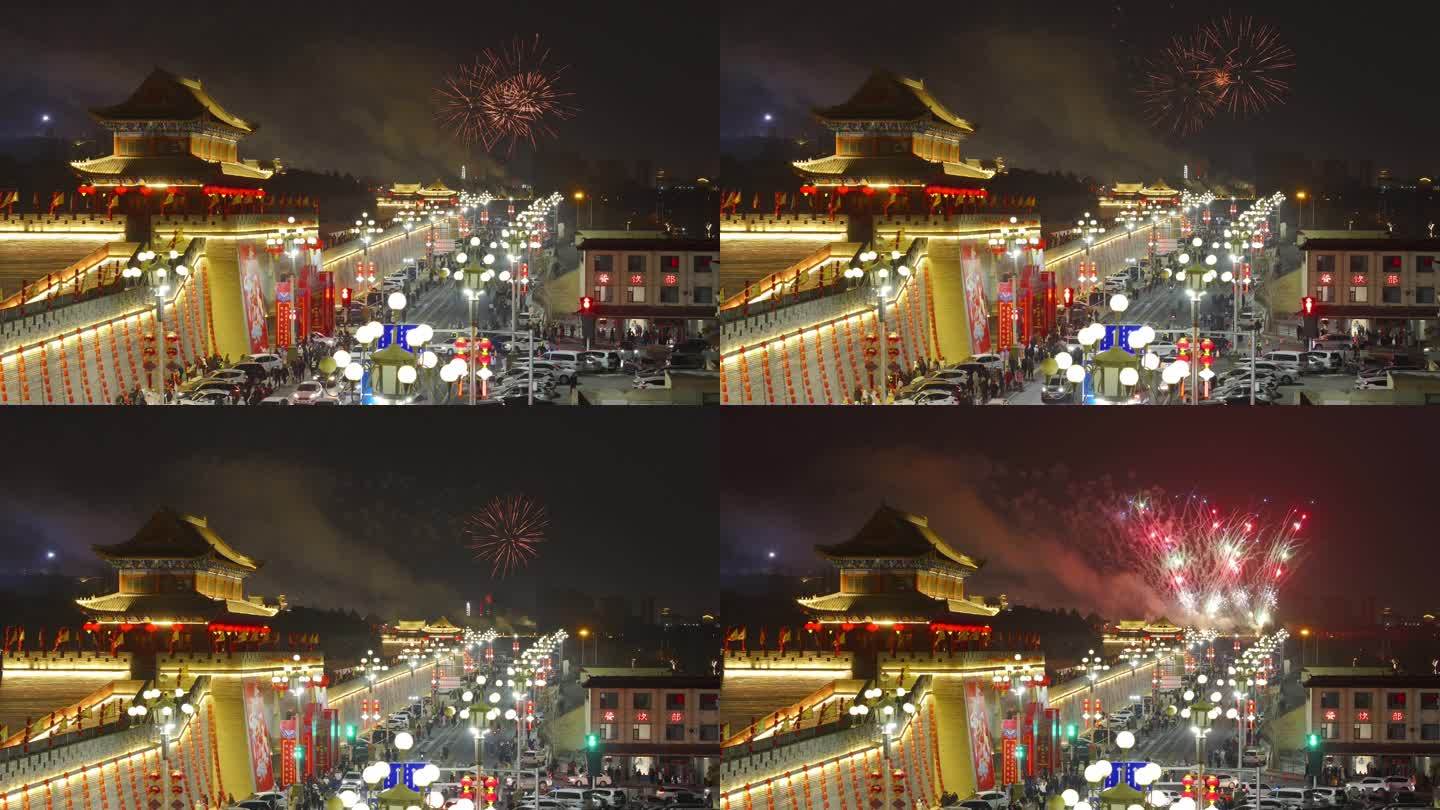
pixel 913 563
pixel 886 97
pixel 892 533
pixel 898 108
pixel 163 96
pixel 170 548
pixel 169 535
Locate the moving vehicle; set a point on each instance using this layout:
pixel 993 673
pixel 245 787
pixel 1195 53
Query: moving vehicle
pixel 602 359
pixel 1056 390
pixel 567 363
pixel 1365 785
pixel 1325 360
pixel 1166 351
pixel 1289 360
pixel 1253 758
pixel 309 391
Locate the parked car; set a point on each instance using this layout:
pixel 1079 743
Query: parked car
pixel 997 799
pixel 276 399
pixel 206 398
pixel 602 359
pixel 990 361
pixel 1364 786
pixel 932 396
pixel 270 362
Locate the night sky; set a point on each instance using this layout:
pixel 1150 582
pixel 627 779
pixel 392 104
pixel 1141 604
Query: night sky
pixel 368 513
pixel 347 85
pixel 1012 485
pixel 1049 84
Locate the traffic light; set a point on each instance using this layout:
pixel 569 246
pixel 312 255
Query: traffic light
pixel 349 731
pixel 1312 741
pixel 1070 731
pixel 587 318
pixel 345 296
pixel 1020 752
pixel 1310 317
pixel 1069 296
pixel 299 752
pixel 587 305
pixel 592 741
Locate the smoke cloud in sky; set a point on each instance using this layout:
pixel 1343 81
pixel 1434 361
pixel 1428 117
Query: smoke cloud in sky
pixel 1029 525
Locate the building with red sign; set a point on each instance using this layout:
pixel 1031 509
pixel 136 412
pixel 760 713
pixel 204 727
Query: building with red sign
pixel 667 725
pixel 665 287
pixel 1383 286
pixel 1375 724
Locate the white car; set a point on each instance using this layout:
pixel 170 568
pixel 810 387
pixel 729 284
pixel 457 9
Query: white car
pixel 603 359
pixel 275 797
pixel 1283 374
pixel 931 396
pixel 309 391
pixel 652 379
pixel 1366 785
pixel 951 375
pixel 990 361
pixel 1394 783
pixel 212 398
pixel 522 345
pixel 271 362
pixel 997 799
pixel 1165 351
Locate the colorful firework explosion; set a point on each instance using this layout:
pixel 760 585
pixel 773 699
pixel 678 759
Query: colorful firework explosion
pixel 1219 567
pixel 1177 92
pixel 1248 58
pixel 510 94
pixel 1234 64
pixel 506 533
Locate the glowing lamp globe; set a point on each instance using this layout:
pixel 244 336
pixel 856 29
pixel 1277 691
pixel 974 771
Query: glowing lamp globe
pixel 353 372
pixel 435 800
pixel 1128 376
pixel 1075 374
pixel 428 359
pixel 397 300
pixel 342 358
pixel 1082 806
pixel 1159 798
pixel 1136 340
pixel 1119 303
pixel 348 798
pixel 463 804
pixel 406 374
pixel 459 275
pixel 467 696
pixel 1063 360
pixel 1070 796
pixel 449 373
pixel 376 328
pixel 404 741
pixel 461 257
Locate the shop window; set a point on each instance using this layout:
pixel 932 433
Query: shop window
pixel 711 732
pixel 635 294
pixel 674 701
pixel 1330 700
pixel 608 731
pixel 1329 731
pixel 675 732
pixel 1359 295
pixel 1390 295
pixel 609 700
pixel 1363 731
pixel 669 295
pixel 1394 731
pixel 642 700
pixel 1364 700
pixel 710 701
pixel 640 733
pixel 1325 294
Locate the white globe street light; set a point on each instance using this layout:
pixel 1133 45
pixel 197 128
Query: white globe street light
pixel 404 741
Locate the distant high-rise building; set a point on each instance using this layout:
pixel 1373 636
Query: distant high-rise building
pixel 647 610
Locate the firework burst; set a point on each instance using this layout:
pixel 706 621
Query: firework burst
pixel 1248 60
pixel 505 95
pixel 1219 567
pixel 506 533
pixel 1178 92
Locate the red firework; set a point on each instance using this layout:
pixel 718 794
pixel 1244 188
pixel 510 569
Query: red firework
pixel 1177 90
pixel 510 94
pixel 1248 58
pixel 506 533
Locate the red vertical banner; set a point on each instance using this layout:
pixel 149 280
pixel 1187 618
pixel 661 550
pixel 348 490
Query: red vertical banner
pixel 1048 303
pixel 289 775
pixel 324 741
pixel 1009 772
pixel 1028 736
pixel 976 308
pixel 325 322
pixel 1005 314
pixel 284 313
pixel 306 765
